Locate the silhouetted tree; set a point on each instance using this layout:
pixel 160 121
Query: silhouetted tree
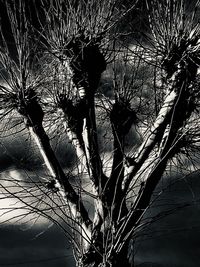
pixel 72 74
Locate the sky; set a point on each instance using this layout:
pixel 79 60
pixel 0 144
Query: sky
pixel 31 248
pixel 174 240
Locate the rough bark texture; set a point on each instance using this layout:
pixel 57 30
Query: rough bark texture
pixel 115 260
pixel 33 116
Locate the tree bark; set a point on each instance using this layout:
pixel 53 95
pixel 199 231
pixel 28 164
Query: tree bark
pixel 114 260
pixel 33 118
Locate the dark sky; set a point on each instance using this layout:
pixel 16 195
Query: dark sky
pixel 29 248
pixel 174 240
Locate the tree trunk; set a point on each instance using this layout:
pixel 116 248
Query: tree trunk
pixel 114 260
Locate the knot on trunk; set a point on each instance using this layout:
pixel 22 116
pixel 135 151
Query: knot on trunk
pixel 52 186
pixel 183 54
pixel 122 117
pixel 86 60
pixel 28 106
pixel 75 113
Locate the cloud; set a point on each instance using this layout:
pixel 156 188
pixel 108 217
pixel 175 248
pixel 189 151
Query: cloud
pixel 17 188
pixel 173 241
pixel 49 249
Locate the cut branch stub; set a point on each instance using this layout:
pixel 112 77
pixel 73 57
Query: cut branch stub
pixel 122 117
pixel 180 54
pixel 75 113
pixel 28 106
pixel 86 61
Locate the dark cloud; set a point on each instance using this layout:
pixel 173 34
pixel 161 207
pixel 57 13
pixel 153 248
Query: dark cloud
pixel 17 150
pixel 25 248
pixel 21 152
pixel 173 241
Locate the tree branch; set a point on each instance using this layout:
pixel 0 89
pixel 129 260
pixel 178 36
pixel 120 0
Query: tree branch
pixel 175 114
pixel 33 115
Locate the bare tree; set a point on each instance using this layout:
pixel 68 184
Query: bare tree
pixel 151 96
